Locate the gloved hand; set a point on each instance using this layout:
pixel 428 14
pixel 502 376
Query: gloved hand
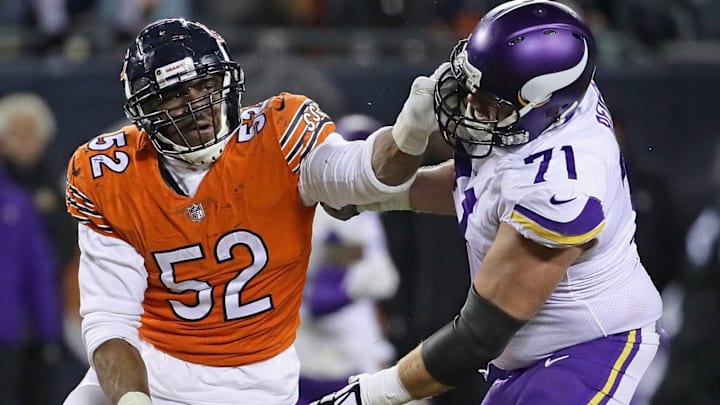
pixel 381 388
pixel 416 120
pixel 343 213
pixel 350 395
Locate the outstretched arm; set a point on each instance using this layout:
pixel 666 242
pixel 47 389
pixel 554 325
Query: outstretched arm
pixel 340 173
pixel 430 192
pixel 390 164
pixel 516 278
pixel 398 153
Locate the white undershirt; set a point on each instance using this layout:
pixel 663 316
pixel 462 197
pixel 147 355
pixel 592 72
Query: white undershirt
pixel 187 177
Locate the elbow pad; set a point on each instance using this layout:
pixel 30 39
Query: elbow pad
pixel 477 335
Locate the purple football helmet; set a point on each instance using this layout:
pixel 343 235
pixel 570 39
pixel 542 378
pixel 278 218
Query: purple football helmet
pixel 530 61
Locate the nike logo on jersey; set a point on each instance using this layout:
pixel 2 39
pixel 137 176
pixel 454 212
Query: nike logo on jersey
pixel 549 362
pixel 555 201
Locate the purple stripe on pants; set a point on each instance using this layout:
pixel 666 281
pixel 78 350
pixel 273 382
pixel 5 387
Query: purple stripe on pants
pixel 624 365
pixel 573 375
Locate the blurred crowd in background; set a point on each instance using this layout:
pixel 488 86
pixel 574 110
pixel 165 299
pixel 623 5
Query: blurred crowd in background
pixel 679 239
pixel 627 30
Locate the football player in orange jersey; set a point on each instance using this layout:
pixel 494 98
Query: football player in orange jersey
pixel 195 223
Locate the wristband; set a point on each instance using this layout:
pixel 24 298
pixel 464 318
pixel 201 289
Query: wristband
pixel 412 142
pixel 134 398
pixel 416 120
pixel 384 388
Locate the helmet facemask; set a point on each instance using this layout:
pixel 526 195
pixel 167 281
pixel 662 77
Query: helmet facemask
pixel 472 119
pixel 180 135
pixel 183 90
pixel 527 64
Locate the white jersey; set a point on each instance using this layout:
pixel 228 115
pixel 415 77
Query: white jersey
pixel 566 188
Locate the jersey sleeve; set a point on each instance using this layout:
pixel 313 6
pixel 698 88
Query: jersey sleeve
pixel 112 280
pixel 559 219
pixel 301 126
pixel 79 200
pixel 561 211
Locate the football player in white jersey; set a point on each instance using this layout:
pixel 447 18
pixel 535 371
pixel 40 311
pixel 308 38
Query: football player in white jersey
pixel 561 310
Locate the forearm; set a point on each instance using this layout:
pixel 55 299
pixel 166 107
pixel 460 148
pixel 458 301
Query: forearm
pixel 378 169
pixel 415 377
pixel 120 369
pixel 447 358
pixel 398 150
pixel 400 384
pixel 340 173
pixel 431 193
pixel 391 165
pixel 432 189
pixel 459 349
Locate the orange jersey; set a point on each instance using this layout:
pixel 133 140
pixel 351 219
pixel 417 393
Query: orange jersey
pixel 226 268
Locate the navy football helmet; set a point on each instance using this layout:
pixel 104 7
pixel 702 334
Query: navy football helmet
pixel 529 62
pixel 166 58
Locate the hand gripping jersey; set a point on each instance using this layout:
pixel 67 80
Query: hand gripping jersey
pixel 226 268
pixel 567 188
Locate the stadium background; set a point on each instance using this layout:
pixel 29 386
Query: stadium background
pixel 659 71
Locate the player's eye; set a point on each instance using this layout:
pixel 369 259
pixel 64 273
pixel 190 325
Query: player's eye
pixel 210 84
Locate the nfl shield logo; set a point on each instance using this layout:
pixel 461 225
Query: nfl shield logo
pixel 196 212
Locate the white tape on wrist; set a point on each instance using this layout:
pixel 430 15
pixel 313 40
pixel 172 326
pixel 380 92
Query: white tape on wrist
pixel 134 398
pixel 412 142
pixel 416 120
pixel 384 388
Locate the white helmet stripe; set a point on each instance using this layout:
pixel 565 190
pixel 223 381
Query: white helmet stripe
pixel 539 89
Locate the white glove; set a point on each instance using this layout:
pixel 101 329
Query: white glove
pixel 381 388
pixel 350 395
pixel 375 278
pixel 416 120
pixel 440 71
